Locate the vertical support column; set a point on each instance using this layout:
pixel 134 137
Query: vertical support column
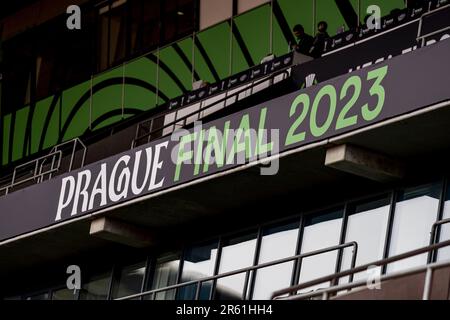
pixel 123 90
pixel 314 16
pixel 193 57
pixel 1 82
pixel 271 28
pixel 157 77
pixel 230 69
pixel 359 13
pixel 90 102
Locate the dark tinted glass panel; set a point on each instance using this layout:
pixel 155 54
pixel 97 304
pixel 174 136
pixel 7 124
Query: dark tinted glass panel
pixel 39 296
pixel 129 280
pixel 96 288
pixel 178 19
pixel 199 263
pixel 64 294
pixel 18 64
pixel 166 274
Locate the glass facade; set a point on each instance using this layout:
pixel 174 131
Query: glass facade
pixel 367 224
pixel 64 294
pixel 237 252
pixel 403 218
pixel 129 280
pixel 415 212
pixel 198 263
pixel 444 230
pixel 96 287
pixel 277 242
pixel 165 275
pixel 321 231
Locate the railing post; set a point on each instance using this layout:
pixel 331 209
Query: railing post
pixel 427 283
pixel 197 291
pixel 244 293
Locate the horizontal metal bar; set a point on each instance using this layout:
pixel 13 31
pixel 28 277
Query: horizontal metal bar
pixel 363 283
pixel 248 269
pixel 360 268
pixel 435 10
pixel 175 121
pixel 433 33
pixel 37 159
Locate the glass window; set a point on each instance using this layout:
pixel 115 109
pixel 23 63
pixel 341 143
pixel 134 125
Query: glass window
pixel 96 288
pixel 277 242
pixel 321 231
pixel 366 225
pixel 111 33
pixel 18 65
pixel 199 263
pixel 166 274
pixel 64 294
pixel 237 253
pixel 145 25
pixel 40 296
pixel 179 19
pixel 415 213
pixel 129 280
pixel 444 235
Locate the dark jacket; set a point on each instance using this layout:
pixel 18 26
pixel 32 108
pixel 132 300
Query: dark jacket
pixel 319 44
pixel 304 44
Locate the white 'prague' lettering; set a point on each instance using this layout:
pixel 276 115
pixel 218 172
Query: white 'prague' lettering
pixel 111 187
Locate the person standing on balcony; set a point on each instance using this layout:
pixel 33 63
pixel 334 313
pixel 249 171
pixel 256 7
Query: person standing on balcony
pixel 319 41
pixel 304 40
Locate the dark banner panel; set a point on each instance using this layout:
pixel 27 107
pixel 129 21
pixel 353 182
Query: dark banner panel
pixel 361 98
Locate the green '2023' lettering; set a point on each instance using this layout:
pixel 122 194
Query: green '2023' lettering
pixel 343 120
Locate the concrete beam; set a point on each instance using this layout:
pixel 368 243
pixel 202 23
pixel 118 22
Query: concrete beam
pixel 364 163
pixel 121 232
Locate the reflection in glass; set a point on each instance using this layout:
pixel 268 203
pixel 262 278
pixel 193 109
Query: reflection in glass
pixel 40 296
pixel 166 274
pixel 415 213
pixel 321 231
pixel 129 280
pixel 444 235
pixel 366 225
pixel 64 294
pixel 199 262
pixel 277 243
pixel 96 288
pixel 237 253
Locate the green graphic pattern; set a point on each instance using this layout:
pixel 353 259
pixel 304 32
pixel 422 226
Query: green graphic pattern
pixel 75 111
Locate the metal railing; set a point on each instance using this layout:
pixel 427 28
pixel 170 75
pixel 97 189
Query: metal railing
pixel 183 121
pixel 37 170
pixel 250 273
pixel 333 290
pixel 33 171
pixel 422 37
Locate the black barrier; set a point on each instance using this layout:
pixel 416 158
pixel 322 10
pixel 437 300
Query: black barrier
pixel 254 73
pixel 375 49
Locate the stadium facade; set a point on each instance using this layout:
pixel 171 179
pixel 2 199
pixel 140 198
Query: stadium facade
pixel 180 149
